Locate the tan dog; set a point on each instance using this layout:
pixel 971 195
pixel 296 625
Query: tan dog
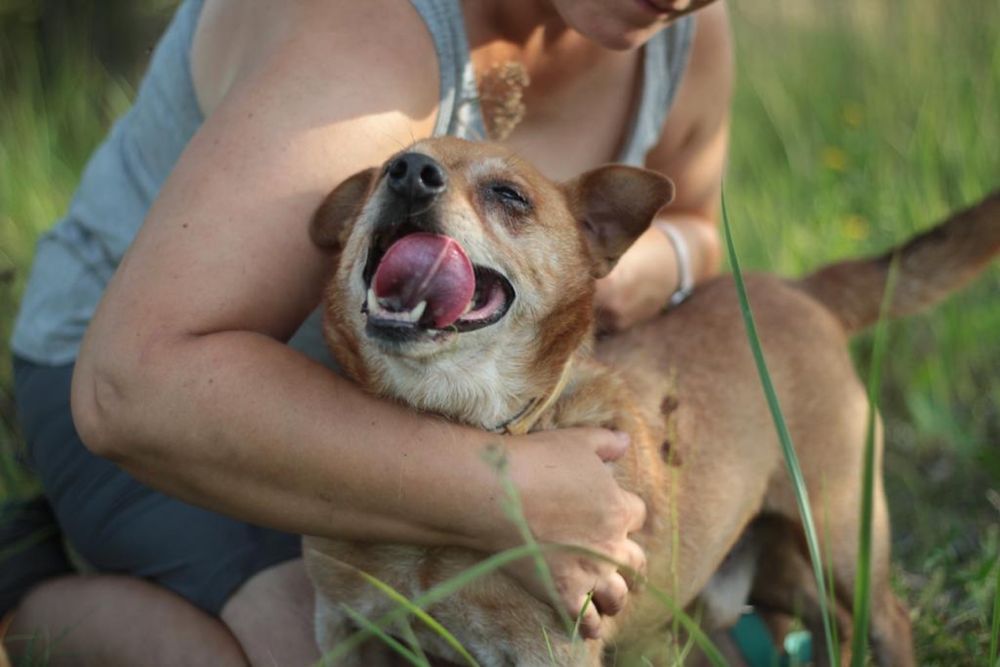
pixel 463 285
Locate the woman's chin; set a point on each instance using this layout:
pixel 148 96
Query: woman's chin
pixel 614 26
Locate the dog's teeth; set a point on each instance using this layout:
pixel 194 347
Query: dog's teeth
pixel 385 311
pixel 417 312
pixel 412 315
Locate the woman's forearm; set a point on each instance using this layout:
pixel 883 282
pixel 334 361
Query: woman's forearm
pixel 239 423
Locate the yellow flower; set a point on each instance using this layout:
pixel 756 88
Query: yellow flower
pixel 852 114
pixel 834 158
pixel 856 228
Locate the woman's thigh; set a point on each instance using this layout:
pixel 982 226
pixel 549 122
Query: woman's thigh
pixel 120 525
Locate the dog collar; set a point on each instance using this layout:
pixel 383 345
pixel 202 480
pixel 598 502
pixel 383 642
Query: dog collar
pixel 526 417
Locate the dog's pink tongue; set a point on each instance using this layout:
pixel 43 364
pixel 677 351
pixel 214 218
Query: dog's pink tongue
pixel 426 267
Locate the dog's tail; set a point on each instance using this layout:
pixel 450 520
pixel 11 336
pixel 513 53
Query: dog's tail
pixel 930 266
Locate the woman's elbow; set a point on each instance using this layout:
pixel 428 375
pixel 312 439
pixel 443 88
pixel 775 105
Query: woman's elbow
pixel 102 405
pixel 118 379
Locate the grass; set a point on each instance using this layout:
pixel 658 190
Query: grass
pixel 855 124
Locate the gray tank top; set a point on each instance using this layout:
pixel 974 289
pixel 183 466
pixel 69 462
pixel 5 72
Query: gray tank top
pixel 75 259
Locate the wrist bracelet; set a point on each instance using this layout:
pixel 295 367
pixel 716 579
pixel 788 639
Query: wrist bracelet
pixel 684 279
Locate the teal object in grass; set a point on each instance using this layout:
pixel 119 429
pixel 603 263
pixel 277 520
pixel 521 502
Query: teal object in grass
pixel 754 641
pixel 798 649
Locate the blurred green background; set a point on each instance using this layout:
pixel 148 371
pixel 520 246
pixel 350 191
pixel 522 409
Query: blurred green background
pixel 856 123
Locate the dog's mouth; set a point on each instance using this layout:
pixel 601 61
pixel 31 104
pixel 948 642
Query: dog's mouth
pixel 419 283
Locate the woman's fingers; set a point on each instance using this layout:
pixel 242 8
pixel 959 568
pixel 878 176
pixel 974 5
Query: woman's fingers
pixel 611 594
pixel 636 512
pixel 611 445
pixel 570 496
pixel 635 558
pixel 611 591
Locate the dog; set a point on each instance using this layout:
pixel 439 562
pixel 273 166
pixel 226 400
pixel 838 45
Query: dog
pixel 462 283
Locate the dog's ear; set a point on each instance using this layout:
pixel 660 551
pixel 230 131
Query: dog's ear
pixel 331 223
pixel 614 205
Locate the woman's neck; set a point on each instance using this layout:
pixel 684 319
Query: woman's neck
pixel 516 23
pixel 531 33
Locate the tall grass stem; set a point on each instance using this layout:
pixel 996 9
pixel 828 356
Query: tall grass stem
pixel 862 575
pixel 791 460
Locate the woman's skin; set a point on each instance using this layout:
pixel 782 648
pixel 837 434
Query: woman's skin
pixel 183 378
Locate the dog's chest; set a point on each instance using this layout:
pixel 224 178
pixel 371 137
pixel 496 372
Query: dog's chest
pixel 483 391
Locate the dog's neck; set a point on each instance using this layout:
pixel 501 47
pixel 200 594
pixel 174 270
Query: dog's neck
pixel 525 418
pixel 496 391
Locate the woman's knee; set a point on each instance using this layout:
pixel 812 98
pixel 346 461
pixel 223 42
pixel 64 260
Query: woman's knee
pixel 116 620
pixel 272 615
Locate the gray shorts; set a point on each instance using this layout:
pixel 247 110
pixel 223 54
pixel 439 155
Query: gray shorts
pixel 115 523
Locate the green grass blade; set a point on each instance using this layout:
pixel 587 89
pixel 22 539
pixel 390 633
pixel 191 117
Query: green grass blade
pixel 499 560
pixel 791 460
pixel 548 646
pixel 579 617
pixel 422 615
pixel 689 624
pixel 695 633
pixel 437 594
pixel 496 457
pixel 531 549
pixel 406 629
pixel 25 543
pixel 862 577
pixel 515 512
pixel 831 594
pixel 39 646
pixel 383 636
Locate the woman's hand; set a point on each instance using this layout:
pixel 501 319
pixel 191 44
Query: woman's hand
pixel 569 496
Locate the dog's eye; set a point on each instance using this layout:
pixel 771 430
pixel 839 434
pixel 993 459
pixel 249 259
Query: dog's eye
pixel 509 196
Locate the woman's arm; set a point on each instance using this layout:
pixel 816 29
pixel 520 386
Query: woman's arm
pixel 692 152
pixel 183 378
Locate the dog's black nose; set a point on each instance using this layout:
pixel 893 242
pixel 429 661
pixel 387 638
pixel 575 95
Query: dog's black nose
pixel 416 177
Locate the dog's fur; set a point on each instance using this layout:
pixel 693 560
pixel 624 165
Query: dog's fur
pixel 704 457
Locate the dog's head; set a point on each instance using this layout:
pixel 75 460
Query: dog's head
pixel 465 278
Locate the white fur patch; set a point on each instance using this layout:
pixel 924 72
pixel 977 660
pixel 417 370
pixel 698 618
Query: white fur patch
pixel 726 594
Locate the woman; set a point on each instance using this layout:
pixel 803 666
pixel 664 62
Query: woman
pixel 249 114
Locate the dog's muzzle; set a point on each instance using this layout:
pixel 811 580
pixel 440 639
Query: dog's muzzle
pixel 418 279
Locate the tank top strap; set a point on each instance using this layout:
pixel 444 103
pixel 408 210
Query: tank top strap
pixel 665 57
pixel 459 114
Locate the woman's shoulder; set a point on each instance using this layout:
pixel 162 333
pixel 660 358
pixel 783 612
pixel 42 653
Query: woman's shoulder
pixel 385 41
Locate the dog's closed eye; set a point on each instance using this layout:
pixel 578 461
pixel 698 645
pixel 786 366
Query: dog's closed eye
pixel 509 196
